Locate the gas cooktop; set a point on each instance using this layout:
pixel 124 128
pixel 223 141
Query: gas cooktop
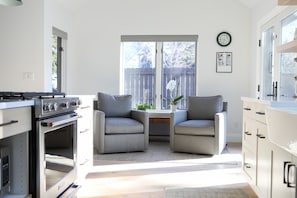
pixel 13 96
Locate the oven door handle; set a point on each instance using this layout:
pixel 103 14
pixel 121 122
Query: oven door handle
pixel 58 122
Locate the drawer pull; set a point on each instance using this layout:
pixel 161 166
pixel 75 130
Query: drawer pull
pixel 247 133
pixel 9 123
pixel 261 136
pixel 247 109
pixel 84 131
pixel 246 165
pixel 260 113
pixel 84 162
pixel 85 107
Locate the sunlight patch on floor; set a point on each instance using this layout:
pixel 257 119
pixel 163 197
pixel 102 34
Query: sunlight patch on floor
pixel 226 158
pixel 112 180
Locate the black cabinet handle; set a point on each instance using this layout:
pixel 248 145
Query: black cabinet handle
pixel 260 113
pixel 286 174
pixel 247 108
pixel 9 123
pixel 289 183
pixel 247 133
pixel 261 136
pixel 247 165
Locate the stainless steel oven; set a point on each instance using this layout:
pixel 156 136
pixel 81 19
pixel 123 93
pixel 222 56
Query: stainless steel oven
pixel 52 143
pixel 56 170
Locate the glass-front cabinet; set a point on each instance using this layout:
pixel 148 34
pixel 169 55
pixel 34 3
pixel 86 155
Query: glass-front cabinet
pixel 278 56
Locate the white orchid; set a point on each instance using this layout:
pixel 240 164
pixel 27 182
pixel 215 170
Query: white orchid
pixel 171 86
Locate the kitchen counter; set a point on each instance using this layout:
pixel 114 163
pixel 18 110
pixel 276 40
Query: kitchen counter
pixel 5 104
pixel 280 102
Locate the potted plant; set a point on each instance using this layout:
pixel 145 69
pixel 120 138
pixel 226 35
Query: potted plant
pixel 173 101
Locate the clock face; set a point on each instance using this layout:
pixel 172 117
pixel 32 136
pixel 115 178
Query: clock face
pixel 224 39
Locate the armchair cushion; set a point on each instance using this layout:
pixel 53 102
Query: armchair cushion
pixel 204 108
pixel 196 127
pixel 115 106
pixel 123 126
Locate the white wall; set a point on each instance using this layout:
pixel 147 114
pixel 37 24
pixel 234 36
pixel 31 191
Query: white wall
pixel 59 17
pixel 100 24
pixel 22 47
pixel 94 32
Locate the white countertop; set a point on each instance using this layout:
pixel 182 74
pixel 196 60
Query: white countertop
pixel 15 104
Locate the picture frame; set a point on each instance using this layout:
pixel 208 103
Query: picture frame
pixel 224 62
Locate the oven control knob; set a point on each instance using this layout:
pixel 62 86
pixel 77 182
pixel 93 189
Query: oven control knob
pixel 65 105
pixel 75 103
pixel 53 106
pixel 46 107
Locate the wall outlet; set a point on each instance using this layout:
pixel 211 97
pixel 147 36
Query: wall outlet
pixel 28 76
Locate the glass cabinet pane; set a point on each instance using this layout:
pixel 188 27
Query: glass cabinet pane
pixel 287 69
pixel 267 61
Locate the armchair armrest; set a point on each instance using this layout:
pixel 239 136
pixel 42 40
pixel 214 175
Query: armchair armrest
pixel 221 129
pixel 99 130
pixel 143 117
pixel 175 118
pixel 178 116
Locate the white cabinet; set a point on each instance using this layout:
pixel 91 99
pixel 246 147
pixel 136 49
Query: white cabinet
pixel 280 164
pixel 263 160
pixel 85 137
pixel 255 147
pixel 268 167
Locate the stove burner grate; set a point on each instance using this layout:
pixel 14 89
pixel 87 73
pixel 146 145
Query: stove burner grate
pixel 29 95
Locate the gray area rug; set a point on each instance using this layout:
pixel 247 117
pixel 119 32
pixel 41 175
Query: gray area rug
pixel 205 193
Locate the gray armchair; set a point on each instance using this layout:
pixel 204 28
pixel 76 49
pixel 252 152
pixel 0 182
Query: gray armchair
pixel 118 128
pixel 202 128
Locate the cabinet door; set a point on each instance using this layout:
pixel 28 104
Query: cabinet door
pixel 85 137
pixel 249 149
pixel 279 171
pixel 263 161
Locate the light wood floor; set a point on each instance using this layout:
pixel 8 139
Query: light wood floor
pixel 149 174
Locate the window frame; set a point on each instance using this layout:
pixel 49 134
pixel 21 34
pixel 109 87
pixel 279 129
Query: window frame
pixel 61 58
pixel 159 40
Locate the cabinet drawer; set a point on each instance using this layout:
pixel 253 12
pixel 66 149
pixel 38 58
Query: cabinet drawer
pixel 248 109
pixel 249 165
pixel 249 137
pixel 260 112
pixel 15 121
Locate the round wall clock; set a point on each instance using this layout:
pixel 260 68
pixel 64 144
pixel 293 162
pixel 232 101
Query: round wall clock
pixel 224 39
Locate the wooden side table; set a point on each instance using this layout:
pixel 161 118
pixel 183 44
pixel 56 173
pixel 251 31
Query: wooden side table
pixel 159 128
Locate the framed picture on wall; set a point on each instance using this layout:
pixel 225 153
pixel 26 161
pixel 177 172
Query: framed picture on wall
pixel 224 62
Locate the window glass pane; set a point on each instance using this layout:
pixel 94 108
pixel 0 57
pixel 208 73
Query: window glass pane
pixel 55 63
pixel 139 71
pixel 287 64
pixel 267 61
pixel 179 64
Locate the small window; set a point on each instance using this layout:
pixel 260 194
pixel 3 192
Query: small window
pixel 58 63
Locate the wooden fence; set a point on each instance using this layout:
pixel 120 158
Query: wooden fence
pixel 140 83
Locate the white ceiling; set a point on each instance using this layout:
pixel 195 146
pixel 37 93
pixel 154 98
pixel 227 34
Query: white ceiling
pixel 76 4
